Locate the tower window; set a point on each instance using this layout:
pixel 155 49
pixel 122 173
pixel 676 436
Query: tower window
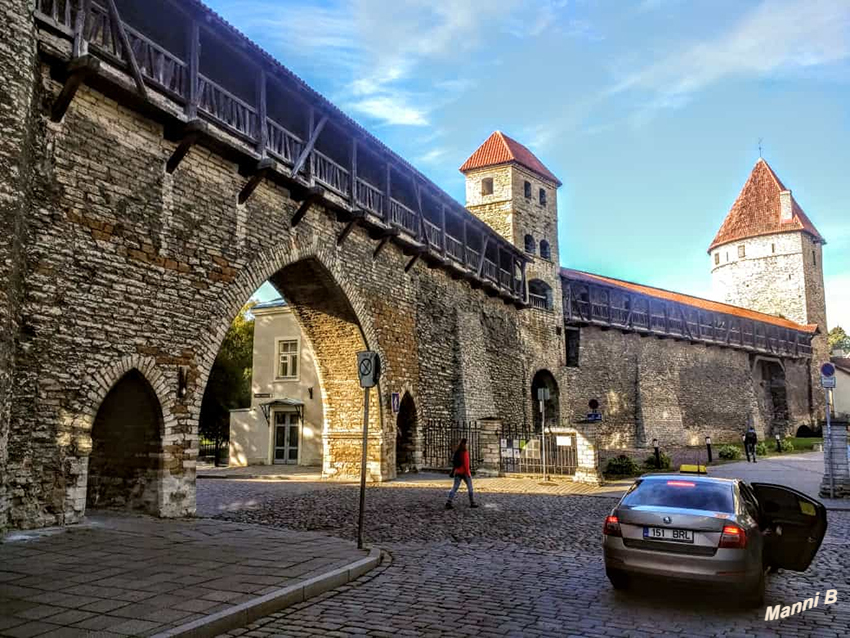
pixel 573 337
pixel 773 248
pixel 742 251
pixel 529 244
pixel 727 256
pixel 716 258
pixel 814 257
pixel 542 196
pixel 527 187
pixel 487 186
pixel 545 251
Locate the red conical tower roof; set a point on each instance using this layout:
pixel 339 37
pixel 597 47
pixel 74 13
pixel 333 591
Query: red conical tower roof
pixel 758 210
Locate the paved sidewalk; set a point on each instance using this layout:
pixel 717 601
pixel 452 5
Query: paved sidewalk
pixel 803 472
pixel 514 485
pixel 123 575
pixel 261 472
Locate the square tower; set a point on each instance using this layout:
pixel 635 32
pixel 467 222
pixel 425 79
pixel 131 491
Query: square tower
pixel 511 190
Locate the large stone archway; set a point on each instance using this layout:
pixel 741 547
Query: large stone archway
pixel 408 445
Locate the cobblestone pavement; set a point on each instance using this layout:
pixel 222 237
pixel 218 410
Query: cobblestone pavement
pixel 520 565
pixel 123 575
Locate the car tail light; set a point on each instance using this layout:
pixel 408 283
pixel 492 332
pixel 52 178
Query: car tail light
pixel 612 526
pixel 733 537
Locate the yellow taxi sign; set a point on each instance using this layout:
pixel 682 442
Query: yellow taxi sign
pixel 692 469
pixel 807 508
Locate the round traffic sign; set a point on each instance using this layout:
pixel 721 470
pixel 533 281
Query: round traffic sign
pixel 365 367
pixel 827 370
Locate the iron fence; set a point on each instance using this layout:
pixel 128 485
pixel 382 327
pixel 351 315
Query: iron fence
pixel 213 451
pixel 440 439
pixel 522 452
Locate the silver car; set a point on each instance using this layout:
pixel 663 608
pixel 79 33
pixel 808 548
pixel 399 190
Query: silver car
pixel 710 530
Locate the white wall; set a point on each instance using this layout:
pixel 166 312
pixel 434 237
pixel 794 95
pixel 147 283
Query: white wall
pixel 841 394
pixel 250 434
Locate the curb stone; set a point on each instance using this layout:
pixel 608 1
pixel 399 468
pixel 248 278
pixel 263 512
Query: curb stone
pixel 248 612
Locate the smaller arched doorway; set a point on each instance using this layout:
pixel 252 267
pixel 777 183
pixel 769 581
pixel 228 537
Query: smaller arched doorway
pixel 407 435
pixel 551 406
pixel 125 461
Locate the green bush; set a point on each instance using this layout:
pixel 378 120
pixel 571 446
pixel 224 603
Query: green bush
pixel 651 465
pixel 761 448
pixel 786 446
pixel 729 452
pixel 622 466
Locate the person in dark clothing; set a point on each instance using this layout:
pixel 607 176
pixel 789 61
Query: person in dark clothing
pixel 750 441
pixel 461 472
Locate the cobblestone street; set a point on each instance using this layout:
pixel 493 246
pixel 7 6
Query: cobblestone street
pixel 521 565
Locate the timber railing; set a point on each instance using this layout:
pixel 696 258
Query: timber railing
pixel 163 52
pixel 624 309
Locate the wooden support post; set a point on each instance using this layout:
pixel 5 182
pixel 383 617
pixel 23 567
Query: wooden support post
pixel 262 114
pixel 308 147
pixel 666 318
pixel 483 255
pixel 312 196
pixel 352 198
pixel 685 326
pixel 465 254
pixel 422 234
pixel 728 321
pixel 385 238
pixel 78 70
pixel 628 321
pixel 260 171
pixel 608 296
pixel 413 261
pixel 128 50
pixel 443 228
pixel 190 135
pixel 193 49
pixel 356 216
pixel 80 47
pixel 387 193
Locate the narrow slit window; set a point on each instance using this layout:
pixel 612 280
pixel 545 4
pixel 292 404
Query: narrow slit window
pixel 487 186
pixel 527 190
pixel 742 251
pixel 716 258
pixel 814 258
pixel 542 196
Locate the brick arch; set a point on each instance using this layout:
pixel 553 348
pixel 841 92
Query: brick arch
pixel 337 324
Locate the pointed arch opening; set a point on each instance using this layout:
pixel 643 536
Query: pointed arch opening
pixel 126 457
pixel 551 406
pixel 408 454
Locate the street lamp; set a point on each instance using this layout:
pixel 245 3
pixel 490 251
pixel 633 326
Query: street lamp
pixel 708 447
pixel 657 454
pixel 778 443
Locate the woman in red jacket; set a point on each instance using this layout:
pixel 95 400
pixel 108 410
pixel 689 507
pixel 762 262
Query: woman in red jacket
pixel 461 472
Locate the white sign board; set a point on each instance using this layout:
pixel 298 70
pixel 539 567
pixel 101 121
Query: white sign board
pixel 827 382
pixel 564 441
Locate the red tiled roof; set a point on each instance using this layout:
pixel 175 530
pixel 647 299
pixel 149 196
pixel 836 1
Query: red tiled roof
pixel 757 211
pixel 697 302
pixel 501 149
pixel 842 363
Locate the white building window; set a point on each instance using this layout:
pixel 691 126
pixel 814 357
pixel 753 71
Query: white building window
pixel 287 359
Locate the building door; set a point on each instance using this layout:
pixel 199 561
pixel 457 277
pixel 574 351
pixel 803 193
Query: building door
pixel 287 435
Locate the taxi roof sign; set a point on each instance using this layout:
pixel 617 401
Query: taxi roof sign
pixel 692 469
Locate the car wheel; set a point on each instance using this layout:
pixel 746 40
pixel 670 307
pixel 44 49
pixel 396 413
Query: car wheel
pixel 619 580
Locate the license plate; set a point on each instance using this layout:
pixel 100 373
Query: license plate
pixel 666 534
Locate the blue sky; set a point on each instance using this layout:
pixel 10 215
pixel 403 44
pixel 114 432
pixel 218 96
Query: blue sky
pixel 649 111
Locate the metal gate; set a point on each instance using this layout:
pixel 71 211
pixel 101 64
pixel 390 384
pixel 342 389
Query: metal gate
pixel 522 452
pixel 441 437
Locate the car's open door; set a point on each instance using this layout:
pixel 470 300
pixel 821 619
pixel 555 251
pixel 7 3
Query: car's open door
pixel 797 525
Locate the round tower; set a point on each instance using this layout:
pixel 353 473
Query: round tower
pixel 767 256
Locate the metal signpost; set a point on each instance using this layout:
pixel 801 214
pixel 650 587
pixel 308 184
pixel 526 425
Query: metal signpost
pixel 369 371
pixel 827 382
pixel 542 396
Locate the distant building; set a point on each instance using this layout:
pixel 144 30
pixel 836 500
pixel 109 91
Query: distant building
pixel 841 393
pixel 284 424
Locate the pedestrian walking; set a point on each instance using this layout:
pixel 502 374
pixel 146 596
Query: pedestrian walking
pixel 750 441
pixel 461 472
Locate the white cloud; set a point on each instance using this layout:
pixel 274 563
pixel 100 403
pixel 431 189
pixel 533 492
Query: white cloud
pixel 773 39
pixel 433 156
pixel 391 110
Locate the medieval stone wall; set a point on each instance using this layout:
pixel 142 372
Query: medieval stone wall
pixel 18 70
pixel 134 268
pixel 675 391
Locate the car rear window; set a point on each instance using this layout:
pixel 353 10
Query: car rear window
pixel 695 495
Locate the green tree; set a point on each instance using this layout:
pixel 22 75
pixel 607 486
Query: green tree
pixel 838 339
pixel 229 384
